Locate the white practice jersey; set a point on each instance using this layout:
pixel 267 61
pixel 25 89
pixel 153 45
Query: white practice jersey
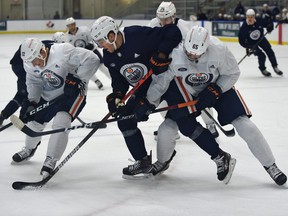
pixel 183 25
pixel 48 82
pixel 216 65
pixel 82 37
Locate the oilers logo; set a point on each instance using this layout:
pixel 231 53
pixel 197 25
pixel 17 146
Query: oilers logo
pixel 255 35
pixel 197 79
pixel 80 43
pixel 53 81
pixel 133 72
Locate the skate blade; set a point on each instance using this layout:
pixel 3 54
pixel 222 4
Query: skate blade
pixel 232 164
pixel 138 177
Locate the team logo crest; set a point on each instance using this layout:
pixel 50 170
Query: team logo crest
pixel 52 80
pixel 133 72
pixel 255 35
pixel 197 79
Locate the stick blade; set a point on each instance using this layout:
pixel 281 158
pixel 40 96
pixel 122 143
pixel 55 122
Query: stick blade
pixel 17 122
pixel 19 185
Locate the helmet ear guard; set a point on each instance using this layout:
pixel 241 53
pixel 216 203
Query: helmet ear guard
pixel 196 41
pixel 31 48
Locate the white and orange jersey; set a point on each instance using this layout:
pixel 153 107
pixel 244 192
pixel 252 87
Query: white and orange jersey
pixel 48 81
pixel 216 65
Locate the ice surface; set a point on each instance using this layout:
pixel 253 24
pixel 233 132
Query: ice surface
pixel 91 184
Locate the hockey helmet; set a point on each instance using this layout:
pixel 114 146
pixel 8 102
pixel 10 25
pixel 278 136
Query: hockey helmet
pixel 59 37
pixel 70 20
pixel 196 41
pixel 250 12
pixel 102 27
pixel 31 48
pixel 165 10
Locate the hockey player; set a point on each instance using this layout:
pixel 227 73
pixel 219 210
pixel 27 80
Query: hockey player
pixel 54 70
pixel 21 94
pixel 165 15
pixel 79 36
pixel 126 54
pixel 210 78
pixel 251 36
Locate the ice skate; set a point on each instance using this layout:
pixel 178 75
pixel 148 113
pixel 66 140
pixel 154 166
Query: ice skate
pixel 212 129
pixel 48 166
pixel 99 84
pixel 158 168
pixel 225 166
pixel 24 154
pixel 139 169
pixel 276 174
pixel 266 73
pixel 277 71
pixel 156 135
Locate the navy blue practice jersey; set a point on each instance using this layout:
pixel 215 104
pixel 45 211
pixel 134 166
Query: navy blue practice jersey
pixel 249 35
pixel 129 63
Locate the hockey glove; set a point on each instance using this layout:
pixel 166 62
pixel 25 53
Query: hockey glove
pixel 159 65
pixel 73 84
pixel 249 51
pixel 270 27
pixel 114 102
pixel 143 109
pixel 27 107
pixel 208 97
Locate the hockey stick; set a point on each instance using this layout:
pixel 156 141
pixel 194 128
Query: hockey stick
pixel 5 126
pixel 228 133
pixel 257 43
pixel 28 131
pixel 37 109
pixel 80 120
pixel 19 185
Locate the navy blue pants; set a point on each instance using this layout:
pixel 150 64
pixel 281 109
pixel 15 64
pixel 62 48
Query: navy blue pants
pixel 266 47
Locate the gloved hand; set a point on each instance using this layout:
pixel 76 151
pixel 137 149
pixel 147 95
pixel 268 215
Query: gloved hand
pixel 143 110
pixel 27 107
pixel 249 51
pixel 73 84
pixel 270 27
pixel 208 97
pixel 114 102
pixel 159 65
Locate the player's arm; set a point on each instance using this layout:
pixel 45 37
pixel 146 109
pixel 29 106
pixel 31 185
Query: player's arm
pixel 86 61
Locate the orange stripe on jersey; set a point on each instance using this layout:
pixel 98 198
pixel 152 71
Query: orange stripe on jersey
pixel 247 110
pixel 186 95
pixel 76 105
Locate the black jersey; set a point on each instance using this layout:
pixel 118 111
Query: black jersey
pixel 129 63
pixel 249 35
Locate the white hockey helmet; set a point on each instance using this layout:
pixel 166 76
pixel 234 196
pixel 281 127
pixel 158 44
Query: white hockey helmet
pixel 250 12
pixel 70 20
pixel 165 10
pixel 196 41
pixel 30 49
pixel 102 27
pixel 59 37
